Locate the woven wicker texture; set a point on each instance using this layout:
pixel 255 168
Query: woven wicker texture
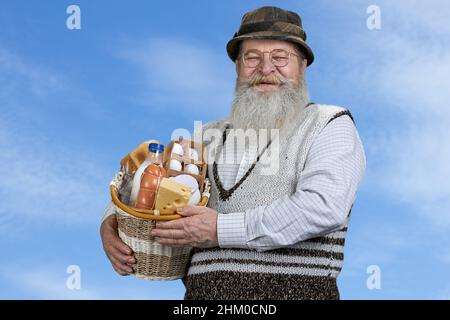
pixel 153 261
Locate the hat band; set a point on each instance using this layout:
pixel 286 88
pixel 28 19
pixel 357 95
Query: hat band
pixel 277 26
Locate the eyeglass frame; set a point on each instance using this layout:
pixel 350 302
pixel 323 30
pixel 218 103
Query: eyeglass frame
pixel 261 53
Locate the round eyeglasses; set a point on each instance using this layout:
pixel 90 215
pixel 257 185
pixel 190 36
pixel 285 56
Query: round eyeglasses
pixel 278 57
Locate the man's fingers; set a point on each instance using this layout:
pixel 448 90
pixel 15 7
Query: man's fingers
pixel 190 210
pixel 123 258
pixel 122 247
pixel 174 224
pixel 168 233
pixel 116 250
pixel 110 238
pixel 120 267
pixel 121 271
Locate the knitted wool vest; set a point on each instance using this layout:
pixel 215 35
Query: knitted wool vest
pixel 306 270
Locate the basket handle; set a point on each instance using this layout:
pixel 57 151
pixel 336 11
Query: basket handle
pixel 147 214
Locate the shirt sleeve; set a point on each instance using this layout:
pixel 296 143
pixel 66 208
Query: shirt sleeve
pixel 324 195
pixel 109 210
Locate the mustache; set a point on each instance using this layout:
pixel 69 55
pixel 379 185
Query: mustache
pixel 266 79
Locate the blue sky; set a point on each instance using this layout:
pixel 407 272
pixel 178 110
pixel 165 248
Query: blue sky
pixel 73 102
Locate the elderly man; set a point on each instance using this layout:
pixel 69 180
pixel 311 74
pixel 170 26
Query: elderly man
pixel 276 235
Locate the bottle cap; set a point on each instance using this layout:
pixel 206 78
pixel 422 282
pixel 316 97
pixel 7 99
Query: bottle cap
pixel 156 147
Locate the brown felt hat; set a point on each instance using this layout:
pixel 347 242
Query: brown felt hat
pixel 271 23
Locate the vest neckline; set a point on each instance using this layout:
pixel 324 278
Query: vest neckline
pixel 225 194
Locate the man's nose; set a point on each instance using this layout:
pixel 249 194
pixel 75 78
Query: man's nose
pixel 266 66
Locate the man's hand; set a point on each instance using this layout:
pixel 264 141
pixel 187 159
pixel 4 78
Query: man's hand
pixel 120 255
pixel 197 228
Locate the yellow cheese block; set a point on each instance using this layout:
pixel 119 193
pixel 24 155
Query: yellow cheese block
pixel 171 195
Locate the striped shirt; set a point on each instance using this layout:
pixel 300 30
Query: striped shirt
pixel 335 165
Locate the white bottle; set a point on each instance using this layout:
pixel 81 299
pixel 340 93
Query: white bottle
pixel 155 152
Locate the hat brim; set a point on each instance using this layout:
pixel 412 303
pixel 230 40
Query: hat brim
pixel 233 44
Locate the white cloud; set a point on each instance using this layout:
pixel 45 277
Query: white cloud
pixel 44 282
pixel 35 79
pixel 379 243
pixel 187 76
pixel 404 66
pixel 49 281
pixel 28 87
pixel 45 182
pixel 42 180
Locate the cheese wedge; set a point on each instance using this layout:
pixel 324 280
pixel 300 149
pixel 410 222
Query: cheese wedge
pixel 171 195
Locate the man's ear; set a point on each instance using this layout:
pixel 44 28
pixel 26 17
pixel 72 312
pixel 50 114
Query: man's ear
pixel 304 65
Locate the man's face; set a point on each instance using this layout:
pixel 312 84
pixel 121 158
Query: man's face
pixel 293 71
pixel 270 91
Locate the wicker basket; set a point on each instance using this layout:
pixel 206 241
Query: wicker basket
pixel 153 260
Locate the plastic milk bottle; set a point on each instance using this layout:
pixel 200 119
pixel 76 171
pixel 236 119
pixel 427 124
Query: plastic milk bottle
pixel 155 155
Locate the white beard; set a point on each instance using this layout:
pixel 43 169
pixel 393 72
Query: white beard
pixel 255 110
